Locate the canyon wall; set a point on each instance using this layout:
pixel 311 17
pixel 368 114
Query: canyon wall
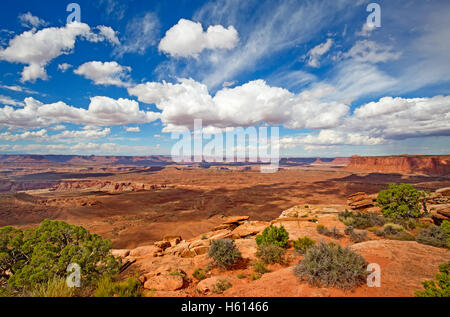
pixel 409 164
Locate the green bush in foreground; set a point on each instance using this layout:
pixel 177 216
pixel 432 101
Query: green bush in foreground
pixel 56 287
pixel 270 253
pixel 107 287
pixel 301 245
pixel 445 225
pixel 274 235
pixel 400 201
pixel 433 235
pixel 438 288
pixel 330 265
pixel 38 255
pixel 224 253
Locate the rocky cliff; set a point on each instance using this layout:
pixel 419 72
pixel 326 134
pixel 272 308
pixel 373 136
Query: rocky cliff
pixel 430 165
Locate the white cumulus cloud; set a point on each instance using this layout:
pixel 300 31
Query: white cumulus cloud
pixel 187 39
pixel 105 73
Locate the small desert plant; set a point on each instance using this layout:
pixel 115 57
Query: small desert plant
pixel 445 225
pixel 402 236
pixel 221 286
pixel 199 274
pixel 55 287
pixel 107 287
pixel 224 252
pixel 270 253
pixel 355 236
pixel 438 288
pixel 274 235
pixel 401 200
pixel 392 228
pixel 361 220
pixel 260 267
pixel 330 265
pixel 433 235
pixel 241 276
pixel 255 276
pixel 334 233
pixel 301 245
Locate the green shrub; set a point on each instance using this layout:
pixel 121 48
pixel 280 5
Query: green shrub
pixel 361 220
pixel 38 255
pixel 402 236
pixel 433 235
pixel 392 228
pixel 270 253
pixel 330 265
pixel 240 276
pixel 401 201
pixel 255 276
pixel 445 225
pixel 260 267
pixel 222 286
pixel 55 287
pixel 355 236
pixel 301 245
pixel 333 233
pixel 224 253
pixel 107 287
pixel 274 235
pixel 438 288
pixel 199 274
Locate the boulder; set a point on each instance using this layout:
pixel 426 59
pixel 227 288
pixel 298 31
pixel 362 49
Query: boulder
pixel 122 253
pixel 235 219
pixel 173 240
pixel 362 200
pixel 162 244
pixel 248 229
pixel 164 283
pixel 444 191
pixel 144 251
pixel 200 250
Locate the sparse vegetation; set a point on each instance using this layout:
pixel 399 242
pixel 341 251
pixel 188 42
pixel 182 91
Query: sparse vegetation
pixel 199 274
pixel 445 225
pixel 356 236
pixel 392 228
pixel 301 245
pixel 333 233
pixel 400 201
pixel 330 265
pixel 438 288
pixel 270 253
pixel 361 220
pixel 224 252
pixel 107 287
pixel 255 276
pixel 241 276
pixel 433 235
pixel 260 267
pixel 222 286
pixel 55 287
pixel 273 235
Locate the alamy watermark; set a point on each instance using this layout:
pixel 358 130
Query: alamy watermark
pixel 228 145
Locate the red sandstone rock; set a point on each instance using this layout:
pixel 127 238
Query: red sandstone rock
pixel 431 165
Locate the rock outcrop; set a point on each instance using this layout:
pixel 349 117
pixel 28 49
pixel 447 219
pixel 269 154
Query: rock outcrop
pixel 430 165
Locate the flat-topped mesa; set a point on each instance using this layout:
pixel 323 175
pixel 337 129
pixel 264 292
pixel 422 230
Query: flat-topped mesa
pixel 409 164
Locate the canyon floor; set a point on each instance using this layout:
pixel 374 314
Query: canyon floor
pixel 137 206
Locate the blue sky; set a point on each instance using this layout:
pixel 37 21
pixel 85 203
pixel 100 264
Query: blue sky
pixel 120 80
